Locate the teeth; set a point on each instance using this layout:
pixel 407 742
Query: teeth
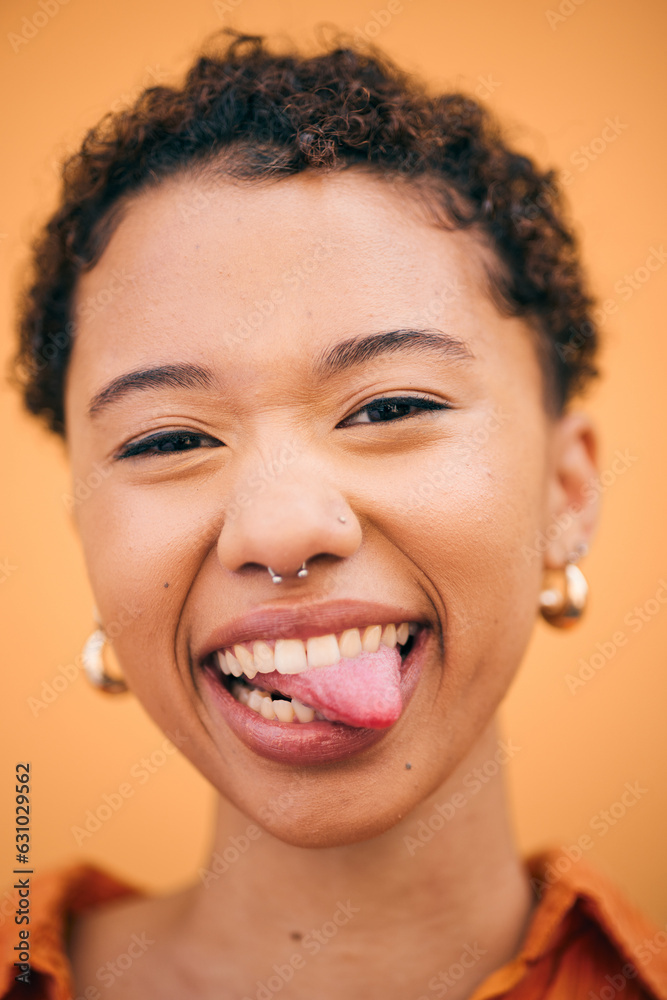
pixel 241 693
pixel 290 656
pixel 284 710
pixel 235 667
pixel 350 643
pixel 255 699
pixel 303 712
pixel 247 661
pixel 266 709
pixel 293 656
pixel 370 641
pixel 322 651
pixel 263 655
pixel 389 636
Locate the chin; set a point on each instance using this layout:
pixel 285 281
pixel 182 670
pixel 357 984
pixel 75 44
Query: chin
pixel 327 827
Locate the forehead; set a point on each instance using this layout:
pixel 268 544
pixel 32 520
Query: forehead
pixel 254 269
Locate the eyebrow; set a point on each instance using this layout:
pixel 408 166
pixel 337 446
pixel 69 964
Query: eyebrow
pixel 180 376
pixel 348 354
pixel 358 350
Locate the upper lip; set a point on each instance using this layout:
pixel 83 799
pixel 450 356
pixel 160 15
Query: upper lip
pixel 302 621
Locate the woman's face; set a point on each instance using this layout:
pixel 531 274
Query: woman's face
pixel 251 300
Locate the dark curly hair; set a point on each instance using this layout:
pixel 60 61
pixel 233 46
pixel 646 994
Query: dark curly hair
pixel 260 114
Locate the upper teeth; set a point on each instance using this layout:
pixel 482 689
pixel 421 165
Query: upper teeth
pixel 293 656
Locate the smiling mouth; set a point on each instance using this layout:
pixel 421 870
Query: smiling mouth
pixel 351 677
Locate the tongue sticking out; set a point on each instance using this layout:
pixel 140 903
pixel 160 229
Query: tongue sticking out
pixel 363 691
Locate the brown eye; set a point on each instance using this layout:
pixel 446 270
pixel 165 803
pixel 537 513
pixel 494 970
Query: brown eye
pixel 392 409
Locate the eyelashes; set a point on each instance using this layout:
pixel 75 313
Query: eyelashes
pixel 169 443
pixel 387 409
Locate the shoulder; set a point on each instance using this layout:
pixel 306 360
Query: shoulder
pixel 35 916
pixel 585 940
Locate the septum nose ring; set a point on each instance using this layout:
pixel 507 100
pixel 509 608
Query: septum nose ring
pixel 277 578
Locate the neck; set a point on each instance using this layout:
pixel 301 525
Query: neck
pixel 442 890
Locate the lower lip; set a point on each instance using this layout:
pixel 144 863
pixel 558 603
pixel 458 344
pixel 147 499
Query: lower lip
pixel 305 743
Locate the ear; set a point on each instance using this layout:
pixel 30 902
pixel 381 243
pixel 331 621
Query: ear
pixel 573 494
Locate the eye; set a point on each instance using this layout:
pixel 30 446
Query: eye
pixel 173 442
pixel 392 408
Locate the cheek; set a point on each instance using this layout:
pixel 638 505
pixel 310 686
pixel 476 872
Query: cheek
pixel 468 521
pixel 468 508
pixel 142 550
pixel 149 539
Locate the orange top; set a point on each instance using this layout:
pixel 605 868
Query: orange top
pixel 584 942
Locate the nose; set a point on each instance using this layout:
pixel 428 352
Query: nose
pixel 290 523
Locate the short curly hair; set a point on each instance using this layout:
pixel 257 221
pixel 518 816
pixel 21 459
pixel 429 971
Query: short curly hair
pixel 262 114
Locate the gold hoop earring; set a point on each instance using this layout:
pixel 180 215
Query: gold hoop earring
pixel 92 656
pixel 562 606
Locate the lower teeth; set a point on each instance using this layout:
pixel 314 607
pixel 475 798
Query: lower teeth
pixel 282 710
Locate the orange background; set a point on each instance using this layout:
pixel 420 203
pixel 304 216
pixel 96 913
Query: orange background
pixel 555 79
